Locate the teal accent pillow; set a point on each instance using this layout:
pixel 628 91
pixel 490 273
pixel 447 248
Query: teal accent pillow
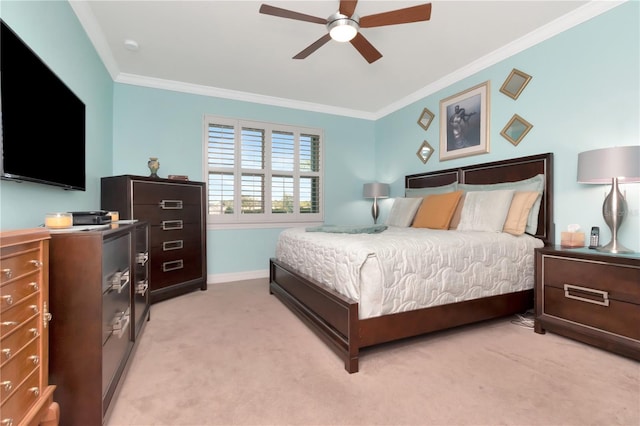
pixel 535 183
pixel 423 192
pixel 485 210
pixel 348 229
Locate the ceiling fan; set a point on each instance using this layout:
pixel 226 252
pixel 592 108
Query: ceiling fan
pixel 344 25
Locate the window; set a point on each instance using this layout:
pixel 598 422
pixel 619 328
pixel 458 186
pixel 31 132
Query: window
pixel 260 173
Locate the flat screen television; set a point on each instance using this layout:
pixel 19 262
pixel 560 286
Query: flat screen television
pixel 42 132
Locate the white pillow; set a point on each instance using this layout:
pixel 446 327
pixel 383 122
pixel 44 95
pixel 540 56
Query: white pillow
pixel 403 211
pixel 535 183
pixel 485 210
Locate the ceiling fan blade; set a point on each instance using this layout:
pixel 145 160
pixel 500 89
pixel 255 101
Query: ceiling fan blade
pixel 347 7
pixel 400 16
pixel 285 13
pixel 365 48
pixel 313 47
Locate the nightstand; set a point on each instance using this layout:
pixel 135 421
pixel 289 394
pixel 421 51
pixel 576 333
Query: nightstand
pixel 589 296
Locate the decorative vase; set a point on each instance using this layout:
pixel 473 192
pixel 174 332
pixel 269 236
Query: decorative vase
pixel 154 165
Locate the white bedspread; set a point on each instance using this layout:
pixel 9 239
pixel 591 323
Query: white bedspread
pixel 402 269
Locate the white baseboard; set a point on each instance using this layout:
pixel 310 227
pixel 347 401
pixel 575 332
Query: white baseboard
pixel 237 276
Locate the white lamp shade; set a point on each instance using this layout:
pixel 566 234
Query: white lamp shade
pixel 375 190
pixel 600 165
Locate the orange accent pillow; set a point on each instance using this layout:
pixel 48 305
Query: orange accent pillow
pixel 455 219
pixel 436 210
pixel 521 204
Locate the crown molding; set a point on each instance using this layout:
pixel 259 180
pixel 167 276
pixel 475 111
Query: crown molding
pixel 564 23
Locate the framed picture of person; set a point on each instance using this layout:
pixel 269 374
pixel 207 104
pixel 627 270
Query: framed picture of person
pixel 464 123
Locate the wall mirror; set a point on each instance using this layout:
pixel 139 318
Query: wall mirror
pixel 425 151
pixel 515 83
pixel 516 129
pixel 425 118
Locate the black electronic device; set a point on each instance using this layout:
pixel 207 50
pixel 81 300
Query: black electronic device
pixel 42 122
pixel 594 239
pixel 98 217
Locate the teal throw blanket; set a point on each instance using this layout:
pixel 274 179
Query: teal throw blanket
pixel 348 229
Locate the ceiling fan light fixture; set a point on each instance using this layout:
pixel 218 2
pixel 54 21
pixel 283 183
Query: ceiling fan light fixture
pixel 342 28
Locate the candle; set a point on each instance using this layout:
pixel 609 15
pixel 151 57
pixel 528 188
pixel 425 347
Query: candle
pixel 58 220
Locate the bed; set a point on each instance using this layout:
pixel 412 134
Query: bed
pixel 346 324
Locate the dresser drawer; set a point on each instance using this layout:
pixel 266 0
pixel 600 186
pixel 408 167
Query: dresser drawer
pixel 171 239
pixel 158 217
pixel 18 262
pixel 171 268
pixel 14 317
pixel 166 194
pixel 617 282
pixel 12 343
pixel 15 291
pixel 21 400
pixel 615 317
pixel 20 364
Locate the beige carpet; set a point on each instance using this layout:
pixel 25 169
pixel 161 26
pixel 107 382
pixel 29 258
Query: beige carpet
pixel 234 355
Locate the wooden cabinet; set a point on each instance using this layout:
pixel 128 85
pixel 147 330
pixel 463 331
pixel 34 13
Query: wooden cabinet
pixel 176 213
pixel 99 295
pixel 589 296
pixel 26 397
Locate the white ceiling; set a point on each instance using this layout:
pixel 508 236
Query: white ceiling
pixel 228 49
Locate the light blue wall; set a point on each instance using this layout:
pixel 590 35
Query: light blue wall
pixel 52 30
pixel 584 95
pixel 169 125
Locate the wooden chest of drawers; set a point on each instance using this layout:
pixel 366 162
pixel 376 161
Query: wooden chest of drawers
pixel 589 296
pixel 25 395
pixel 176 213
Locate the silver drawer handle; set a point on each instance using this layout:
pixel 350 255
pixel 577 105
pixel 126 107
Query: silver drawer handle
pixel 171 204
pixel 7 272
pixel 35 359
pixel 120 323
pixel 34 331
pixel 120 280
pixel 141 258
pixel 8 323
pixel 598 294
pixel 34 308
pixel 34 285
pixel 8 299
pixel 169 225
pixel 7 385
pixel 35 390
pixel 172 266
pixel 142 287
pixel 7 422
pixel 6 353
pixel 172 245
pixel 36 263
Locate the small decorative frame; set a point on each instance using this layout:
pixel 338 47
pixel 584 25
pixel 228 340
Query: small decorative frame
pixel 425 119
pixel 515 83
pixel 424 152
pixel 516 129
pixel 464 123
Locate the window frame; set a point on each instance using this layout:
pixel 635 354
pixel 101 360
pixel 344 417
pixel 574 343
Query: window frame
pixel 268 219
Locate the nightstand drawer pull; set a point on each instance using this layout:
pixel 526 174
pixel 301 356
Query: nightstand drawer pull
pixel 588 295
pixel 172 266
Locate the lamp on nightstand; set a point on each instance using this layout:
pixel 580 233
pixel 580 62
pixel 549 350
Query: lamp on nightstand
pixel 375 190
pixel 611 165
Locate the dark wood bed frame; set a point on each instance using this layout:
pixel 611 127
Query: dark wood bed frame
pixel 334 317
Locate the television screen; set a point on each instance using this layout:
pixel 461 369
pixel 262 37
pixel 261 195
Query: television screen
pixel 42 121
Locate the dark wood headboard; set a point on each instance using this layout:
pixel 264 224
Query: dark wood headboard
pixel 511 170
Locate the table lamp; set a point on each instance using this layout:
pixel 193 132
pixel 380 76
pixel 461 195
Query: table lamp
pixel 611 165
pixel 375 190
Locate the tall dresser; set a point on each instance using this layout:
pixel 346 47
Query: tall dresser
pixel 176 213
pixel 26 398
